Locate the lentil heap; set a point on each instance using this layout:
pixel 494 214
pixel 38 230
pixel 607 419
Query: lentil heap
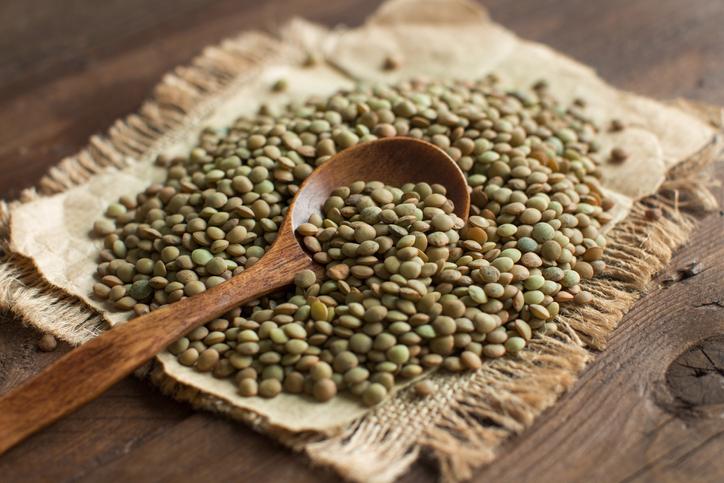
pixel 408 287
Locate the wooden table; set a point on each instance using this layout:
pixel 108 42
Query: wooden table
pixel 68 69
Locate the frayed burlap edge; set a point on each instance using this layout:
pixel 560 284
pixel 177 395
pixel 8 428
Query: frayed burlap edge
pixel 470 415
pixel 24 293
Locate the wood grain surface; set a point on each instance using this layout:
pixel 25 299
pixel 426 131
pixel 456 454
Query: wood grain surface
pixel 648 409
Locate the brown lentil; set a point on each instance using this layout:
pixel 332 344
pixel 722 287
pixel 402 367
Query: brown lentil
pixel 534 227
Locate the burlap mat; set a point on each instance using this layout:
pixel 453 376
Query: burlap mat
pixel 48 261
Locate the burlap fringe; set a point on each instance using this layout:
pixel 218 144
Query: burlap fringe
pixel 470 415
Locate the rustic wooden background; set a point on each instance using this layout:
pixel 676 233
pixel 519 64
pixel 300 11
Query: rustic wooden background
pixel 649 409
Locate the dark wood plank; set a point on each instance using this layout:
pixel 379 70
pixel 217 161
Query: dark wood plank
pixel 68 69
pixel 107 63
pixel 664 48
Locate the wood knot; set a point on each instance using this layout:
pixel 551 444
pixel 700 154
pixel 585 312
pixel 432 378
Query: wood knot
pixel 696 377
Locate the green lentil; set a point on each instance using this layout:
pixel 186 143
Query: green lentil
pixel 374 394
pixel 269 388
pixel 425 388
pixel 514 344
pixel 305 279
pixel 405 288
pixel 207 360
pixel 324 390
pixel 248 387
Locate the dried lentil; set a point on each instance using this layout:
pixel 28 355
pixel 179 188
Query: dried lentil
pixel 533 169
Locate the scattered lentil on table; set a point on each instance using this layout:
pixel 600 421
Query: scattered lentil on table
pixel 618 155
pixel 47 343
pixel 407 286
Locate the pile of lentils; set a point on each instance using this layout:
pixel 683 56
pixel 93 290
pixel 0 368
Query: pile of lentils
pixel 408 285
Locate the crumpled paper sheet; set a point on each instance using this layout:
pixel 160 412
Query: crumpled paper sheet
pixel 434 39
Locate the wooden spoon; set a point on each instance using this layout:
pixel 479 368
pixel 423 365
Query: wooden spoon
pixel 87 371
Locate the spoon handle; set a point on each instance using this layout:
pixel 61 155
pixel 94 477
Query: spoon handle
pixel 87 371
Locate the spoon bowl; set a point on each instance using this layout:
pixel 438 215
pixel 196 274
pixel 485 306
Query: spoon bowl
pixel 86 372
pixel 394 161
